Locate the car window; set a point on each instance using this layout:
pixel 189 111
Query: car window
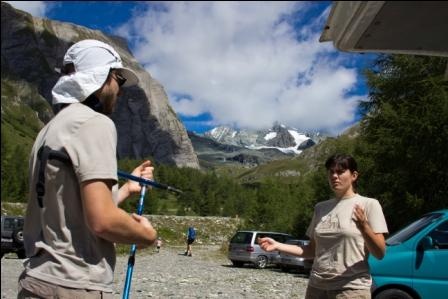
pixel 297 242
pixel 242 238
pixel 261 235
pixel 20 222
pixel 440 236
pixel 412 229
pixel 279 237
pixel 8 224
pixel 293 242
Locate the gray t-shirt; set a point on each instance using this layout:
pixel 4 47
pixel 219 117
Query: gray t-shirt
pixel 61 248
pixel 340 260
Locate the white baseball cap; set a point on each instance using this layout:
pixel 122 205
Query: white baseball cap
pixel 92 61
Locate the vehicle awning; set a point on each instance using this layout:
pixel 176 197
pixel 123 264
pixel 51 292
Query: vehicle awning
pixel 402 27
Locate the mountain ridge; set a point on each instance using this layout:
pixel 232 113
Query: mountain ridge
pixel 280 137
pixel 223 145
pixel 32 48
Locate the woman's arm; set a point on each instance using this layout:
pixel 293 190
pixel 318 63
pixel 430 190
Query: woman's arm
pixel 375 242
pixel 269 244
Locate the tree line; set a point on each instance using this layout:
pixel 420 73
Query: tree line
pixel 401 151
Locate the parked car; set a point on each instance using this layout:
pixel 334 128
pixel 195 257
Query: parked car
pixel 289 262
pixel 244 248
pixel 416 261
pixel 12 236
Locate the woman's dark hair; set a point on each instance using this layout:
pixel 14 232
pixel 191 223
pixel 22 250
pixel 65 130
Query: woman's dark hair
pixel 342 162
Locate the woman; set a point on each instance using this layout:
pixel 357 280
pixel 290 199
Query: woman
pixel 343 231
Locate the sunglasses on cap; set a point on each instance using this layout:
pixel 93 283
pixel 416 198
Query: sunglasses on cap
pixel 119 78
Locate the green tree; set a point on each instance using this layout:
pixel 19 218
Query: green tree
pixel 405 136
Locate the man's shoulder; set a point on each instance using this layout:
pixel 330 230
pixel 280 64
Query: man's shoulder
pixel 83 113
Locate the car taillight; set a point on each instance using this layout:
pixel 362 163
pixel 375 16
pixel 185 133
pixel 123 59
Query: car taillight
pixel 249 249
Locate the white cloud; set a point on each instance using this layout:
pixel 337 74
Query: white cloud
pixel 244 63
pixel 35 8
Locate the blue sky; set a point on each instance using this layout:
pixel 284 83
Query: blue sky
pixel 242 64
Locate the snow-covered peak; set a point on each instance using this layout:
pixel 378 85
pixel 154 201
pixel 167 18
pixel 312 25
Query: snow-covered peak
pixel 281 137
pixel 270 135
pixel 298 137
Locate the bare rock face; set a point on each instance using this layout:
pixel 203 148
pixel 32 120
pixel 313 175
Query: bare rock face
pixel 146 124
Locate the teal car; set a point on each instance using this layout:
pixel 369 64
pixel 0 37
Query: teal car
pixel 416 262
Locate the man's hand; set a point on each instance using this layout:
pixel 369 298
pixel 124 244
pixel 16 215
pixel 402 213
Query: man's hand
pixel 146 224
pixel 144 170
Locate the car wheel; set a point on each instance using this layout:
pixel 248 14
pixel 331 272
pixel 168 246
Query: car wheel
pixel 261 262
pixel 393 294
pixel 21 254
pixel 18 236
pixel 2 255
pixel 285 269
pixel 237 263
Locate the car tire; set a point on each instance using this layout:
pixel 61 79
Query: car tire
pixel 21 254
pixel 17 236
pixel 261 262
pixel 285 269
pixel 238 264
pixel 393 294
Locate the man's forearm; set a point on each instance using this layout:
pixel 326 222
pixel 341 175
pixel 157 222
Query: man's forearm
pixel 122 228
pixel 108 221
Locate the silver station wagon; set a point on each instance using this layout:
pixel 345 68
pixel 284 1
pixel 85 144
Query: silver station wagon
pixel 244 248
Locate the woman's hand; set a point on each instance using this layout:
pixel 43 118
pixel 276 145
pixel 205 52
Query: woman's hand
pixel 267 244
pixel 360 218
pixel 375 242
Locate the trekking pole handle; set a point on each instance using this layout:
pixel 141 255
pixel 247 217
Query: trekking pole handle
pixel 146 182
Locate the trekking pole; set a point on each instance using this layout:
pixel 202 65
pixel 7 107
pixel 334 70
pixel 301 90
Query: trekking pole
pixel 131 260
pixel 147 182
pixel 144 183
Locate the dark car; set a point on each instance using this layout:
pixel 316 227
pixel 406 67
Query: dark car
pixel 12 236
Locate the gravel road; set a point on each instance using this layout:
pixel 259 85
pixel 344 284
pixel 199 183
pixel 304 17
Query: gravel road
pixel 170 274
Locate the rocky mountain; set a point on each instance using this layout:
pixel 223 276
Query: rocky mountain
pixel 32 48
pixel 250 148
pixel 280 137
pixel 212 153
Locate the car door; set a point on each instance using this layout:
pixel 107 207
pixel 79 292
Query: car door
pixel 430 277
pixel 240 246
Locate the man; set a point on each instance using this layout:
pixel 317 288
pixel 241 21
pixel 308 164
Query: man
pixel 191 236
pixel 73 220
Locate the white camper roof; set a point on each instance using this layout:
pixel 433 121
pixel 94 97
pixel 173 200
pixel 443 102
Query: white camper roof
pixel 402 27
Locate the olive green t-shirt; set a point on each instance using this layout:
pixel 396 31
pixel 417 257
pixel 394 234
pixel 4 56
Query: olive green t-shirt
pixel 340 260
pixel 61 248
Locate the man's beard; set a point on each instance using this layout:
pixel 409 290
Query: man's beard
pixel 108 100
